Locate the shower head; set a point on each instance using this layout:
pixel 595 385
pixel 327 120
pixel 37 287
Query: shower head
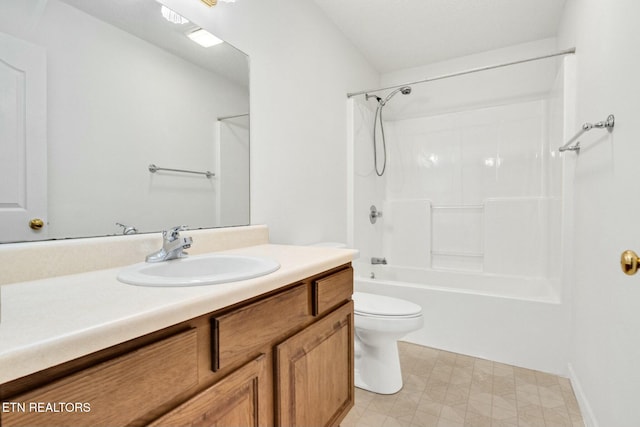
pixel 406 90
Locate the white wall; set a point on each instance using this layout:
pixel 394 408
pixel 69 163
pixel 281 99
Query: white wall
pixel 606 321
pixel 301 70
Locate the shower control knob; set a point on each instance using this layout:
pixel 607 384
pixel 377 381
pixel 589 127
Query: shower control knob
pixel 629 262
pixel 374 214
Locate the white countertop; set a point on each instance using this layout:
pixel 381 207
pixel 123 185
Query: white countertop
pixel 51 321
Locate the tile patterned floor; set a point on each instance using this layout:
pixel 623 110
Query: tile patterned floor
pixel 443 389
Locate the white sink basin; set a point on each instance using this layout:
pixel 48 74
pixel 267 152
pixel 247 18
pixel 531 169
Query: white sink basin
pixel 198 270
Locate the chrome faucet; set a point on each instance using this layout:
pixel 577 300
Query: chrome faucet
pixel 173 245
pixel 376 260
pixel 127 229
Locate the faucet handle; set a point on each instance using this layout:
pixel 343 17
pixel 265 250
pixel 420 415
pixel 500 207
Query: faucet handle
pixel 174 232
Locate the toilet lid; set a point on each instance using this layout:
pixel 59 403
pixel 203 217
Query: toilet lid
pixel 378 305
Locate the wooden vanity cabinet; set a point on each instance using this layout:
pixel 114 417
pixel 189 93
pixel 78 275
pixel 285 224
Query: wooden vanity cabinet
pixel 314 372
pixel 281 359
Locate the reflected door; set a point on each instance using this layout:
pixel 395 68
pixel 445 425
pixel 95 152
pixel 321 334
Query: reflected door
pixel 23 150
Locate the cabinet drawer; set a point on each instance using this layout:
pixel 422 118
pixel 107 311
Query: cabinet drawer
pixel 115 392
pixel 244 332
pixel 331 291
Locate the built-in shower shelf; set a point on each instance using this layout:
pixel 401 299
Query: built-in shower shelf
pixel 457 207
pixel 461 261
pixel 459 254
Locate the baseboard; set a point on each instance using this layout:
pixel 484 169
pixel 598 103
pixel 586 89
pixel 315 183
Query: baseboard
pixel 585 408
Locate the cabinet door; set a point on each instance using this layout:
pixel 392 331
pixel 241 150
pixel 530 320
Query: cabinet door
pixel 314 372
pixel 115 392
pixel 235 401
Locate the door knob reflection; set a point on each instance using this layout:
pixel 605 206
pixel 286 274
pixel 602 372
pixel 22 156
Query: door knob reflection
pixel 629 262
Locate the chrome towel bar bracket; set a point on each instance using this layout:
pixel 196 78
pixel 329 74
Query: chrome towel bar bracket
pixel 605 124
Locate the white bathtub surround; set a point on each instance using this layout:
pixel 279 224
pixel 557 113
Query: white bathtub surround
pixel 477 205
pixel 496 318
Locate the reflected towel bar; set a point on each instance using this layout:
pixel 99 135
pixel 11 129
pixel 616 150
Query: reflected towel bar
pixel 606 124
pixel 153 169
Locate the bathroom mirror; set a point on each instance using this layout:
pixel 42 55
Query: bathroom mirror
pixel 125 88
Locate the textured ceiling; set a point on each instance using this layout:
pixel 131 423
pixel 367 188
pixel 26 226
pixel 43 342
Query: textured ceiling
pixel 398 34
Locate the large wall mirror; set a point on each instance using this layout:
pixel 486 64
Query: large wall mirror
pixel 109 88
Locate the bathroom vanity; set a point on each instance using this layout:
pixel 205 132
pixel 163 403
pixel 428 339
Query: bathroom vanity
pixel 282 356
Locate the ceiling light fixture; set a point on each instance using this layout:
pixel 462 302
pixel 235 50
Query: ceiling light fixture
pixel 212 3
pixel 172 16
pixel 204 38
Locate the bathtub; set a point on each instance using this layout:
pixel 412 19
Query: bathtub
pixel 516 320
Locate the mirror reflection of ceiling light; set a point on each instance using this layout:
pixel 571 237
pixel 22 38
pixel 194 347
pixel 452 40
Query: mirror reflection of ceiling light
pixel 204 38
pixel 172 16
pixel 212 3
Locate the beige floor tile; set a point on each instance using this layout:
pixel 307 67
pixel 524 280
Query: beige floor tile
pixel 357 411
pixel 425 419
pixel 351 419
pixel 409 396
pixel 512 422
pixel 530 389
pixel 363 397
pixel 502 413
pixel 503 385
pixel 371 419
pixel 402 421
pixel 481 396
pixel 402 408
pixel 382 403
pixel 577 423
pixel 426 406
pixel 436 394
pixel 507 401
pixel 461 376
pixel 456 394
pixel 444 389
pixel 545 379
pixel 530 421
pixel 502 369
pixel 416 383
pixel 479 408
pixel 454 413
pixel 557 417
pixel 477 420
pixel 466 362
pixel 531 411
pixel 482 385
pixel 443 422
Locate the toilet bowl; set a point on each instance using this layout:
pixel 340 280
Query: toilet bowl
pixel 380 321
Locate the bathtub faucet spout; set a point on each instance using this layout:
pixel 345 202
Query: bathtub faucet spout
pixel 376 260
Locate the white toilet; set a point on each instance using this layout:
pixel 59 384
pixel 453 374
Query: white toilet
pixel 380 321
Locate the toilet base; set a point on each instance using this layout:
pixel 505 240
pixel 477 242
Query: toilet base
pixel 377 369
